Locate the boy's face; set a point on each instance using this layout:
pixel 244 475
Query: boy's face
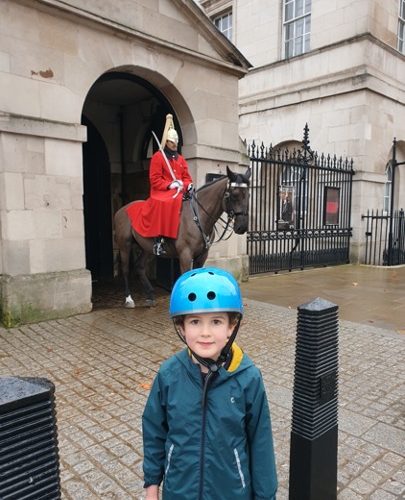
pixel 206 334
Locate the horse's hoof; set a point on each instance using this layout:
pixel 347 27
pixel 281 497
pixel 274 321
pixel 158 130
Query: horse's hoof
pixel 150 302
pixel 129 302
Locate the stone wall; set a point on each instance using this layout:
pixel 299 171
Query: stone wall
pixel 51 54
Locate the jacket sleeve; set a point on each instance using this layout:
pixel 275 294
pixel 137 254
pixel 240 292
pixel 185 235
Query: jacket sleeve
pixel 159 179
pixel 154 430
pixel 260 437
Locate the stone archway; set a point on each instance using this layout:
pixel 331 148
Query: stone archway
pixel 120 111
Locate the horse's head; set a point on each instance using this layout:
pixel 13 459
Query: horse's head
pixel 237 199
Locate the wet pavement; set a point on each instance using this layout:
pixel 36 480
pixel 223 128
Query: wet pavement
pixel 103 363
pixel 365 294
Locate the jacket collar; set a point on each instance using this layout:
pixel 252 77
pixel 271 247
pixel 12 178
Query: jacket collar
pixel 239 362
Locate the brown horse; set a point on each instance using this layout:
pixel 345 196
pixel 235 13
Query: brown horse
pixel 199 213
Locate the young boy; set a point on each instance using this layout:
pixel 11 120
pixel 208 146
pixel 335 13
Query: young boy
pixel 206 425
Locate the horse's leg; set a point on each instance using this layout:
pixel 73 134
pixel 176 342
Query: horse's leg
pixel 140 269
pixel 185 261
pixel 125 253
pixel 200 260
pixel 123 237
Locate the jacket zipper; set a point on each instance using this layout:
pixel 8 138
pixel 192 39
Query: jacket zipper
pixel 204 421
pixel 169 457
pixel 242 477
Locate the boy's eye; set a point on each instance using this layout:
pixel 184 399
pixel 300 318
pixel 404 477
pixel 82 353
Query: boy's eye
pixel 217 322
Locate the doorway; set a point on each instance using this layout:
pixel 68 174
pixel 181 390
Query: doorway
pixel 97 205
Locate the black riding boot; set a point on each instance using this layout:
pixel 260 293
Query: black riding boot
pixel 158 246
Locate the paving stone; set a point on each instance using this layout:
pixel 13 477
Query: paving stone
pixel 102 362
pixel 394 487
pixel 382 495
pixel 348 494
pixel 387 436
pixel 359 485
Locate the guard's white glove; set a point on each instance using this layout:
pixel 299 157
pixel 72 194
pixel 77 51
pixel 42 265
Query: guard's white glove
pixel 176 185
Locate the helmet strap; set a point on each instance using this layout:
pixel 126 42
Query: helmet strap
pixel 228 346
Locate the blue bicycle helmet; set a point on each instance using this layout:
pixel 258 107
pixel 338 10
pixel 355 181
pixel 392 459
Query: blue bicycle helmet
pixel 207 289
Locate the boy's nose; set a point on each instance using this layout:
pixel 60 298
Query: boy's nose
pixel 205 331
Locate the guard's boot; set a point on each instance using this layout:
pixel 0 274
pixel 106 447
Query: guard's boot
pixel 158 246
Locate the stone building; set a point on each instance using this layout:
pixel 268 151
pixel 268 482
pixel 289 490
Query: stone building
pixel 338 66
pixel 83 83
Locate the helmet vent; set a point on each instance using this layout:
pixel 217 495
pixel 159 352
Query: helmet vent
pixel 211 295
pixel 192 296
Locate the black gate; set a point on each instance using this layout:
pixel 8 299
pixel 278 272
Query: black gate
pixel 300 205
pixel 382 249
pixel 385 231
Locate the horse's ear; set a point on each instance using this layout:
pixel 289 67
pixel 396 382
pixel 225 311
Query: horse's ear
pixel 248 173
pixel 231 175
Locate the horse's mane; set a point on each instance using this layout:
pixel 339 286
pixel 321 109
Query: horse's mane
pixel 210 183
pixel 240 178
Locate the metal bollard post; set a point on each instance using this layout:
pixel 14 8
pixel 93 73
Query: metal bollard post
pixel 29 460
pixel 314 429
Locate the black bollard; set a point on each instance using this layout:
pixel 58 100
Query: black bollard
pixel 314 428
pixel 29 460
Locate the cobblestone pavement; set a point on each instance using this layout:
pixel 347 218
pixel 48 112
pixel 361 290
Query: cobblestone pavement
pixel 103 363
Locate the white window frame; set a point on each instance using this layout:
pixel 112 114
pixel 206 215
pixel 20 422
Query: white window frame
pixel 401 27
pixel 298 20
pixel 218 20
pixel 388 189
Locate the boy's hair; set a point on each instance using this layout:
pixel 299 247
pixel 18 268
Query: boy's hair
pixel 233 318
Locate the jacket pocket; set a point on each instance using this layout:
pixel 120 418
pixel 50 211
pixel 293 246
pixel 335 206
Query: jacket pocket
pixel 169 457
pixel 239 467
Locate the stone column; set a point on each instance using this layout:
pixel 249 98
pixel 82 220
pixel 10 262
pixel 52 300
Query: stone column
pixel 42 250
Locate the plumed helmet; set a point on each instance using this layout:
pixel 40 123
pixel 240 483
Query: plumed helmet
pixel 207 289
pixel 169 132
pixel 172 135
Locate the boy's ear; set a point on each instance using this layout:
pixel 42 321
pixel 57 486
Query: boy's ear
pixel 181 330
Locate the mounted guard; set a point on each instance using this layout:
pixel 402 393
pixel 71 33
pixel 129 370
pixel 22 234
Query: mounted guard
pixel 184 218
pixel 159 216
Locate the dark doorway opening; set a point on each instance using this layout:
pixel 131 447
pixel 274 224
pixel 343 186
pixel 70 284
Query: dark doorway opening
pixel 97 205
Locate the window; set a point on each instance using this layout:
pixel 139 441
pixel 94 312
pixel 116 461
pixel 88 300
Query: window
pixel 297 27
pixel 388 189
pixel 401 26
pixel 224 24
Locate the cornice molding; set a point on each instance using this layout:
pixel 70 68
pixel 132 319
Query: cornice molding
pixel 234 62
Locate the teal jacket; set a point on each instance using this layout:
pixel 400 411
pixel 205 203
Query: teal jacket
pixel 221 451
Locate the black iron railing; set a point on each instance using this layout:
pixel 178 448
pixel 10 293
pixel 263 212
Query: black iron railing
pixel 300 204
pixel 385 238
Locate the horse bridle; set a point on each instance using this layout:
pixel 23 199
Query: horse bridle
pixel 225 205
pixel 227 198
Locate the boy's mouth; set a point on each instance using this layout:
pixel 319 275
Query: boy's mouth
pixel 206 344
